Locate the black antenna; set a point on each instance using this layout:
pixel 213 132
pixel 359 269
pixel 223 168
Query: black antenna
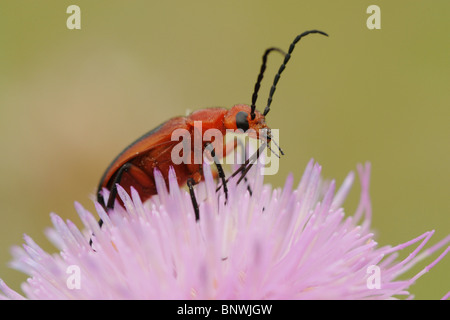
pixel 260 77
pixel 283 65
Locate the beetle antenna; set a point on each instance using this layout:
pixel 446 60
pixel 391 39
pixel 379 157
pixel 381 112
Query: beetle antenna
pixel 283 65
pixel 260 77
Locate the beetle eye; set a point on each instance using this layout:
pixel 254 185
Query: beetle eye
pixel 241 121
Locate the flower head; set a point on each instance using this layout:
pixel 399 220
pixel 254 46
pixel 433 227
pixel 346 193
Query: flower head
pixel 286 243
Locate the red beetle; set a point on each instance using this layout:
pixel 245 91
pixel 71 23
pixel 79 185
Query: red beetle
pixel 135 165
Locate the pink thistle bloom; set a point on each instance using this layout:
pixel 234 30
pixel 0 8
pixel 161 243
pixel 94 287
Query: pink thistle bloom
pixel 276 244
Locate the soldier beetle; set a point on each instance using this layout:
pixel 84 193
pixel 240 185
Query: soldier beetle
pixel 135 165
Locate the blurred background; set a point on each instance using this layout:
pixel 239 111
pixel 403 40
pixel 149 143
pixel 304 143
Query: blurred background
pixel 71 100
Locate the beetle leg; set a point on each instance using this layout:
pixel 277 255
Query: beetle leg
pixel 227 149
pixel 210 148
pixel 245 167
pixel 244 157
pixel 190 183
pixel 137 173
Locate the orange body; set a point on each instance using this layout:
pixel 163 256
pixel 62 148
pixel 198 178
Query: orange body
pixel 153 150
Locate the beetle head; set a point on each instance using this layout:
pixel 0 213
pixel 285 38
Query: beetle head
pixel 239 117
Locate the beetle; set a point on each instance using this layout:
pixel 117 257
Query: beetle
pixel 135 165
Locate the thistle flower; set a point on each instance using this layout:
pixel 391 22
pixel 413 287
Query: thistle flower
pixel 276 244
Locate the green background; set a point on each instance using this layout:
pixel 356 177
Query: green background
pixel 70 100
